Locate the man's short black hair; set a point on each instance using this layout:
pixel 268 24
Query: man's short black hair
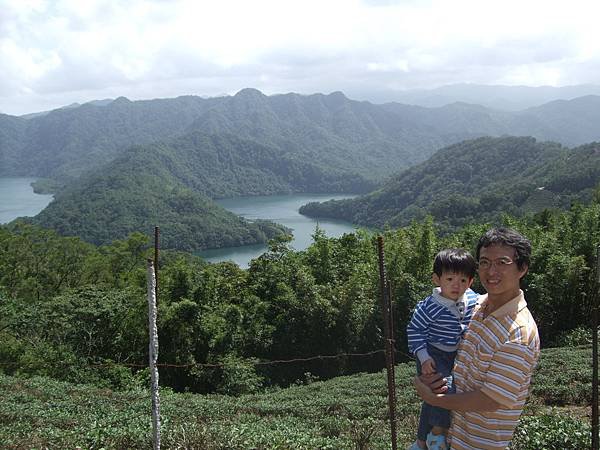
pixel 510 238
pixel 456 260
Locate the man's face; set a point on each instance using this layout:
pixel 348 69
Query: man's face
pixel 498 270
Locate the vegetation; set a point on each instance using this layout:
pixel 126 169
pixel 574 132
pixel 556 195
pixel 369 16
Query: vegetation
pixel 288 304
pixel 100 160
pixel 73 328
pixel 330 130
pixel 475 181
pixel 143 189
pixel 342 413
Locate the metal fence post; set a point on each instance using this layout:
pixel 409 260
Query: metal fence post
pixel 153 355
pixel 389 339
pixel 156 237
pixel 595 296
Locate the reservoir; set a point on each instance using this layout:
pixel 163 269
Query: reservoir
pixel 282 209
pixel 17 198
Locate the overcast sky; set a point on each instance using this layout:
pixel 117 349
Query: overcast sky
pixel 53 53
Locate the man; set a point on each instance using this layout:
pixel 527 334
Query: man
pixel 496 359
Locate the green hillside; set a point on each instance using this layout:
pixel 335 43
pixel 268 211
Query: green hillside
pixel 171 184
pixel 332 130
pixel 155 185
pixel 12 141
pixel 252 144
pixel 342 413
pixel 476 180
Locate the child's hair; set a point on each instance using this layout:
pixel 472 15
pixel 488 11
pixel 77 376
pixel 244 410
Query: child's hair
pixel 454 260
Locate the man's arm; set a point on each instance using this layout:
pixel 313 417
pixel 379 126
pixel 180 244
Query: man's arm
pixel 467 401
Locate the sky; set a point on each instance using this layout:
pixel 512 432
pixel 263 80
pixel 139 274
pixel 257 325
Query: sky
pixel 54 53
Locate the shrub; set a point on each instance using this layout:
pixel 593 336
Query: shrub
pixel 551 432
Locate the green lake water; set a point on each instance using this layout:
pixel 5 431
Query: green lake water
pixel 17 198
pixel 282 209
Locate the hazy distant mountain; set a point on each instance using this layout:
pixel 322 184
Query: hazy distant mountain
pixel 103 102
pixel 247 144
pixel 12 143
pixel 508 98
pixel 476 180
pixel 331 130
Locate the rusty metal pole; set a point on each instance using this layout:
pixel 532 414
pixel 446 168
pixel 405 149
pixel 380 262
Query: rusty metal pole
pixel 389 348
pixel 595 443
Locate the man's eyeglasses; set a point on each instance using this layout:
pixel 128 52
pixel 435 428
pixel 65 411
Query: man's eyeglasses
pixel 500 263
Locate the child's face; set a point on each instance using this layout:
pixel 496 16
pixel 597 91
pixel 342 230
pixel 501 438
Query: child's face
pixel 453 284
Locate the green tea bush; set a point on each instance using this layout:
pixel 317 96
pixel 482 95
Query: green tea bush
pixel 579 336
pixel 551 432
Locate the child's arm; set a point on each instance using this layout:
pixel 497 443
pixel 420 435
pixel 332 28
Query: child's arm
pixel 428 367
pixel 417 331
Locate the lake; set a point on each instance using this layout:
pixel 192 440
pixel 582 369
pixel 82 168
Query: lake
pixel 282 209
pixel 17 198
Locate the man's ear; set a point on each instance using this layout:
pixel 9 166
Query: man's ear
pixel 524 271
pixel 435 279
pixel 470 282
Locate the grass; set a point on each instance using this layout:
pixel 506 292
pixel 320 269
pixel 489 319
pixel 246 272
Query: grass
pixel 343 413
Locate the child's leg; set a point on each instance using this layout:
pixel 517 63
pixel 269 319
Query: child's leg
pixel 424 428
pixel 439 418
pixel 439 430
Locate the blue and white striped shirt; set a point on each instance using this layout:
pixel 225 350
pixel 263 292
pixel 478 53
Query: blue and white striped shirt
pixel 434 323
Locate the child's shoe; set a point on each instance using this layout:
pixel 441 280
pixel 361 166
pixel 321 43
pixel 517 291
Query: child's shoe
pixel 436 442
pixel 415 446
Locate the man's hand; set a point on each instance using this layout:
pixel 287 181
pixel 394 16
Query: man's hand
pixel 429 386
pixel 423 390
pixel 428 367
pixel 435 382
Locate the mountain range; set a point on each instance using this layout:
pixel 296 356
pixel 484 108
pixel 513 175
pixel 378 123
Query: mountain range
pixel 477 179
pixel 506 98
pixel 247 144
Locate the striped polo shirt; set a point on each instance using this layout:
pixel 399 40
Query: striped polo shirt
pixel 497 356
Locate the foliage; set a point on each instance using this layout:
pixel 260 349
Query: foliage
pixel 144 188
pixel 323 301
pixel 476 180
pixel 342 413
pixel 552 432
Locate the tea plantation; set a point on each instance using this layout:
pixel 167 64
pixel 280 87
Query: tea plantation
pixel 342 413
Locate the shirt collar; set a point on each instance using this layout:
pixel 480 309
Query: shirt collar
pixel 437 295
pixel 513 306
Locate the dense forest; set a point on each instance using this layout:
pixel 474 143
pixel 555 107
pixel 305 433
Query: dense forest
pixel 331 130
pixel 67 306
pixel 476 180
pixel 172 185
pixel 101 160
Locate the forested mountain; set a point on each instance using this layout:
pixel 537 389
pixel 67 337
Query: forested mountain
pixel 12 141
pixel 66 142
pixel 169 185
pixel 334 131
pixel 476 180
pixel 247 144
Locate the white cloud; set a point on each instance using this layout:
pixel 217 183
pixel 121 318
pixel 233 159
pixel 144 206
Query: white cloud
pixel 56 52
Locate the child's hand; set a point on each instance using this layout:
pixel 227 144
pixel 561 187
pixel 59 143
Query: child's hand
pixel 428 367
